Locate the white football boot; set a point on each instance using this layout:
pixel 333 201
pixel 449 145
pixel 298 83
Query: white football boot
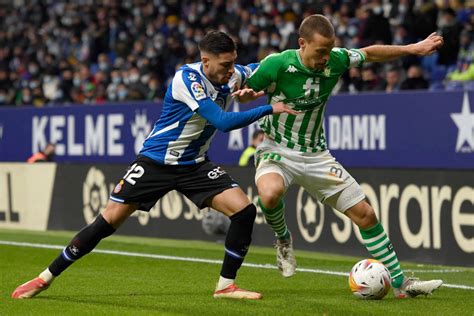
pixel 412 287
pixel 286 261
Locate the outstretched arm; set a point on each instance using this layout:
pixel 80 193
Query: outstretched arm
pixel 380 53
pixel 227 121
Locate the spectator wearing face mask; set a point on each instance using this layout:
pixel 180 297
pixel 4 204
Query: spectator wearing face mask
pixel 122 92
pixel 136 89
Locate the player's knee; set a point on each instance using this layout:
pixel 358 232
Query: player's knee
pixel 246 216
pixel 270 194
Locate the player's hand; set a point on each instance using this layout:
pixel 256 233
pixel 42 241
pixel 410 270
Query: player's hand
pixel 429 45
pixel 281 107
pixel 247 95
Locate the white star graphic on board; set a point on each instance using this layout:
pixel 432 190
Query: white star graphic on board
pixel 465 123
pixel 309 210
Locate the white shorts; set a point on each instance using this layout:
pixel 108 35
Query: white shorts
pixel 318 173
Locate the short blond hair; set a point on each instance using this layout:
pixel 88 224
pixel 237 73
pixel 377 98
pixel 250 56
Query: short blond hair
pixel 318 24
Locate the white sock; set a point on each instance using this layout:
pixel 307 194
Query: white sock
pixel 47 276
pixel 223 283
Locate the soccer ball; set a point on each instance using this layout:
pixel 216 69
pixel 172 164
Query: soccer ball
pixel 369 279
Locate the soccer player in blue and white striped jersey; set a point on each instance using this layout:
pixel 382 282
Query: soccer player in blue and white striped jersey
pixel 174 157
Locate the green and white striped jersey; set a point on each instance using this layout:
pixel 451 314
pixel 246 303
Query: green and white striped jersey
pixel 286 79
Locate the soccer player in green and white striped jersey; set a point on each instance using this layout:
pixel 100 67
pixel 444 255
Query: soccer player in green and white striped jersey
pixel 295 150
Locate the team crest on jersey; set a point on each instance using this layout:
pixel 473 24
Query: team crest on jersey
pixel 327 71
pixel 192 76
pixel 291 69
pixel 118 187
pixel 198 91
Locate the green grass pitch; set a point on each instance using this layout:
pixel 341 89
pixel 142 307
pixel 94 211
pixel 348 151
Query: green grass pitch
pixel 114 284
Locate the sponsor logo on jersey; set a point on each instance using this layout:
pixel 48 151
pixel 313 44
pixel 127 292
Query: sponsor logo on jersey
pixel 192 76
pixel 291 69
pixel 174 153
pixel 327 71
pixel 215 173
pixel 198 91
pixel 465 123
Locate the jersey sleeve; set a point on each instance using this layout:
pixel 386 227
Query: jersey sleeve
pixel 348 58
pixel 265 74
pixel 188 88
pixel 245 72
pixel 226 121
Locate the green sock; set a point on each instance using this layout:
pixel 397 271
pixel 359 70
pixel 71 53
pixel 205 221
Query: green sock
pixel 276 218
pixel 380 247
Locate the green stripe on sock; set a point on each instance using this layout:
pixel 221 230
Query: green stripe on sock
pixel 378 241
pixel 269 210
pixel 388 258
pixel 275 217
pixel 372 231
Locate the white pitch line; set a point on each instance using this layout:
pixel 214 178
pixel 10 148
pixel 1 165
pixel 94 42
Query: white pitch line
pixel 436 271
pixel 189 259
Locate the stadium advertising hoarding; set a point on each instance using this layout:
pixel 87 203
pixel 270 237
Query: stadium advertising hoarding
pixel 406 130
pixel 25 195
pixel 427 214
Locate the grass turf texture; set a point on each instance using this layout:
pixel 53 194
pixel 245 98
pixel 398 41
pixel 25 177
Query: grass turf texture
pixel 113 284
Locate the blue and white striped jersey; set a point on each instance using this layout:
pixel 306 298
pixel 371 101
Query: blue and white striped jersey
pixel 181 136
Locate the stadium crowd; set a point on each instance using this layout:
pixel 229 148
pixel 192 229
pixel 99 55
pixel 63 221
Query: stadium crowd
pixel 88 51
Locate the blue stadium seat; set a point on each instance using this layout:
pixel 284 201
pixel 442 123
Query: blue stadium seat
pixel 469 85
pixel 428 63
pixel 438 73
pixel 436 86
pixel 454 85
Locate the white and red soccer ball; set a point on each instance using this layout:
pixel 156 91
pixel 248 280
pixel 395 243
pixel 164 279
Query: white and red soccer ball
pixel 369 279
